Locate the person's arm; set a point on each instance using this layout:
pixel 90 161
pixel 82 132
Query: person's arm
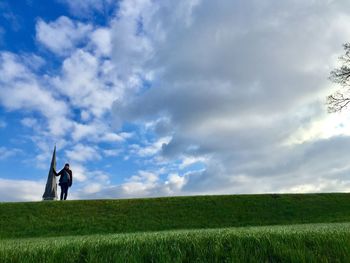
pixel 57 174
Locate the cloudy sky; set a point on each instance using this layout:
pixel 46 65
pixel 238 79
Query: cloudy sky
pixel 158 98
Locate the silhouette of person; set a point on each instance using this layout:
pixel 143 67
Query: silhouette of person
pixel 66 180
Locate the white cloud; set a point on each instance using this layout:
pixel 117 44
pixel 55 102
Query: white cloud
pixel 89 83
pixel 85 115
pixel 149 149
pixel 92 188
pixel 63 35
pixel 142 184
pixel 21 190
pixel 29 122
pixel 101 39
pixel 14 96
pixel 144 176
pixel 233 79
pixel 7 153
pixel 85 184
pixel 175 182
pixel 189 160
pixel 97 132
pixel 111 152
pixel 22 89
pixel 112 137
pixel 85 8
pixel 324 126
pixel 236 86
pixel 130 47
pixel 83 177
pixel 80 174
pixel 83 153
pixel 82 131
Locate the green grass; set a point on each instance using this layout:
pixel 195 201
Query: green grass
pixel 298 243
pixel 232 228
pixel 44 219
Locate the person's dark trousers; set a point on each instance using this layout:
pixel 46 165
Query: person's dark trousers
pixel 64 191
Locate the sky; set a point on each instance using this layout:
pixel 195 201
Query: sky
pixel 165 98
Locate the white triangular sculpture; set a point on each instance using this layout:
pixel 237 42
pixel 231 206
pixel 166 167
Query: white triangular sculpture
pixel 51 186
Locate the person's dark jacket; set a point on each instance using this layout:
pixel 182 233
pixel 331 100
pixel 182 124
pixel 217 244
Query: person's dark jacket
pixel 62 173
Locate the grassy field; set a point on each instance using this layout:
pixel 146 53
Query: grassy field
pixel 239 228
pixel 296 243
pixel 44 219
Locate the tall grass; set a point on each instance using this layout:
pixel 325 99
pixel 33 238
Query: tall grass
pixel 298 243
pixel 44 219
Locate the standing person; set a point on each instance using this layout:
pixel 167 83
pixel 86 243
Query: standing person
pixel 65 181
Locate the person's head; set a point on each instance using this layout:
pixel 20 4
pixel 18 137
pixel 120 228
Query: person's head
pixel 66 166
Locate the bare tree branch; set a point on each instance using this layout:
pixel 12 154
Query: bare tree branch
pixel 341 99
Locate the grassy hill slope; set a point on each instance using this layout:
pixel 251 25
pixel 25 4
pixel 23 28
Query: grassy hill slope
pixel 291 243
pixel 45 219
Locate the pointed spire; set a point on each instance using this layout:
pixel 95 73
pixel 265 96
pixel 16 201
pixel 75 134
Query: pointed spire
pixel 51 186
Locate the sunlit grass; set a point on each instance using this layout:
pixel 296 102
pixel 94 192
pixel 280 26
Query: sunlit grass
pixel 39 219
pixel 232 228
pixel 296 243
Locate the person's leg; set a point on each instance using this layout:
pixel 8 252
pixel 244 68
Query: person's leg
pixel 62 190
pixel 65 189
pixel 66 194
